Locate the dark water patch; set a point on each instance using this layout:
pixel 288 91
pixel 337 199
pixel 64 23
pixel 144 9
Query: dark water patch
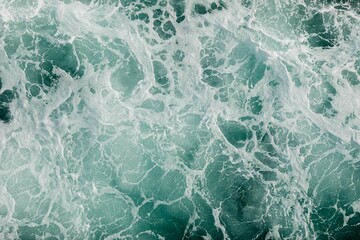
pixel 164 28
pixel 243 212
pixel 255 105
pixel 43 59
pixel 202 9
pixel 323 40
pixel 161 75
pixel 242 199
pixel 6 97
pixel 40 78
pixel 126 3
pixel 179 9
pixel 61 56
pixel 151 3
pixel 348 233
pixel 5 114
pixel 269 175
pixel 163 22
pixel 235 133
pixel 267 160
pixel 342 4
pixel 136 13
pixel 270 144
pixel 246 3
pixel 170 221
pixel 51 231
pixel 334 187
pixel 212 78
pixel 320 30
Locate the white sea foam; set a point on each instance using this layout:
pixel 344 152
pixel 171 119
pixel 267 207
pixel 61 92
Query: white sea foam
pixel 96 156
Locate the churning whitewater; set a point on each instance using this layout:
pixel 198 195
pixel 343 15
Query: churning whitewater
pixel 180 119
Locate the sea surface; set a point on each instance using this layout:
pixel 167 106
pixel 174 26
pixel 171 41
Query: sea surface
pixel 180 119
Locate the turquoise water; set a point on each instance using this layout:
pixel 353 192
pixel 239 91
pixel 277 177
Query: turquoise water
pixel 177 119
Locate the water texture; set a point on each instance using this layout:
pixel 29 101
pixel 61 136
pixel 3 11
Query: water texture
pixel 180 119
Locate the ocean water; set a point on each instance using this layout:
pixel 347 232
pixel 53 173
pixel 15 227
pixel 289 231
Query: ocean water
pixel 180 119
